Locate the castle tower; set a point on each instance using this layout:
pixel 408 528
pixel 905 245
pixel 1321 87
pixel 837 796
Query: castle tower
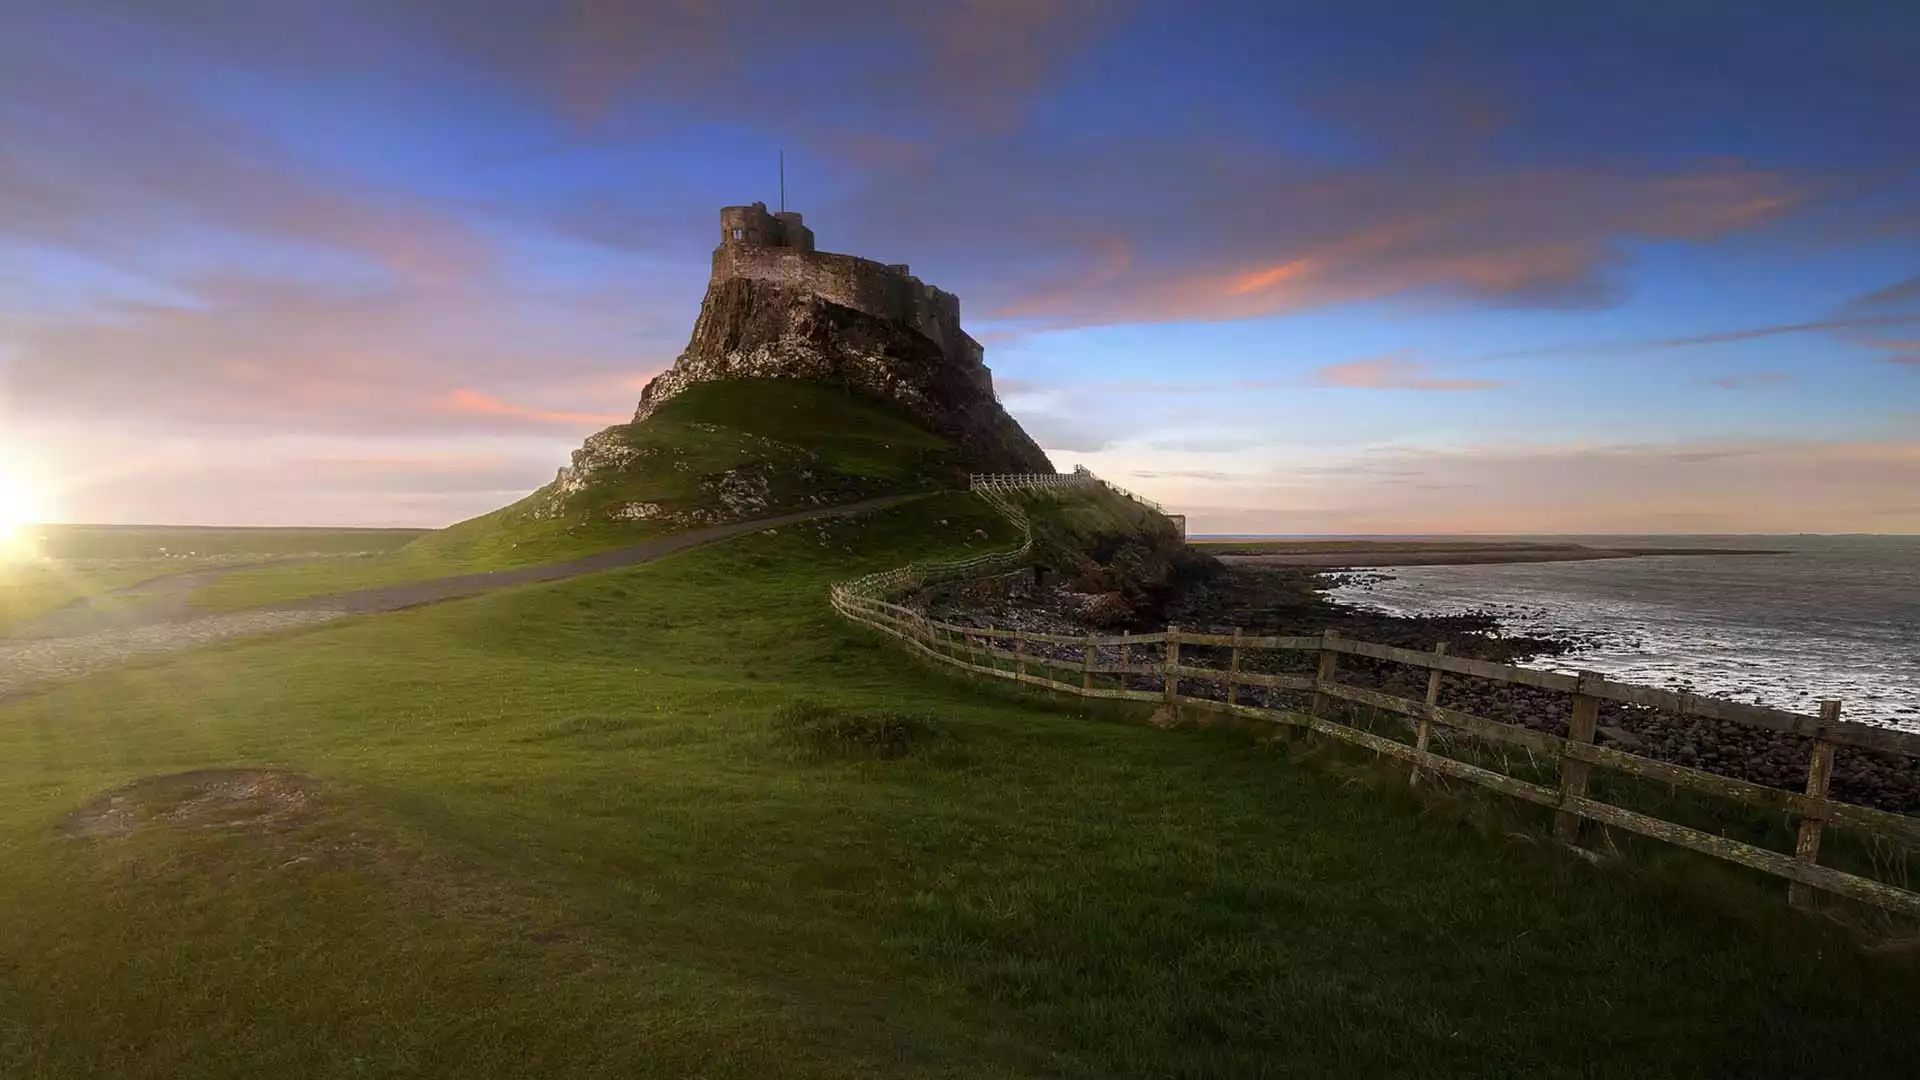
pixel 795 234
pixel 752 226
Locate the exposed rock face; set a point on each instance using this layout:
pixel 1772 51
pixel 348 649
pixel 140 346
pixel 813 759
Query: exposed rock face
pixel 752 327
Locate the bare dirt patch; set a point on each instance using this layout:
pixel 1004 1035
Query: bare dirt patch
pixel 231 824
pixel 251 800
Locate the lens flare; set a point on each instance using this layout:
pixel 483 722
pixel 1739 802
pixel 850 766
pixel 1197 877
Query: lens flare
pixel 22 506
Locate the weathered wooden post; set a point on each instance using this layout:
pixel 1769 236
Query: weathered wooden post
pixel 1019 656
pixel 1324 673
pixel 1819 776
pixel 1086 664
pixel 1170 662
pixel 1233 671
pixel 1126 659
pixel 1425 736
pixel 1574 774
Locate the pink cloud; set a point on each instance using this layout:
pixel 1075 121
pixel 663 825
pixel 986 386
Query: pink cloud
pixel 1249 236
pixel 1393 373
pixel 475 402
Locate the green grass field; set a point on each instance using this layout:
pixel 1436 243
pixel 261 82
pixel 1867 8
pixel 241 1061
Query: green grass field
pixel 680 821
pixel 79 561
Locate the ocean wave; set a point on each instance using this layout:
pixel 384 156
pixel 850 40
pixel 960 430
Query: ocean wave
pixel 1721 631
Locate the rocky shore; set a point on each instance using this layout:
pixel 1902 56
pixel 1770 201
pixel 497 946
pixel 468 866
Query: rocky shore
pixel 1280 600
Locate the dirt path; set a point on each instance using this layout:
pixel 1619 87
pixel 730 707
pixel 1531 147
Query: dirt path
pixel 415 593
pixel 77 641
pixel 159 599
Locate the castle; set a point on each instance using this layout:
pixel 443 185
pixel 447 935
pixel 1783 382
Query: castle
pixel 778 308
pixel 778 248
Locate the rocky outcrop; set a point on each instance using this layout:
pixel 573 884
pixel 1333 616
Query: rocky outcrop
pixel 753 328
pixel 766 477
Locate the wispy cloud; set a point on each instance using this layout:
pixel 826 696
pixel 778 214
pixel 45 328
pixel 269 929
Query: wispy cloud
pixel 101 165
pixel 1485 233
pixel 1724 486
pixel 472 401
pixel 1393 373
pixel 1896 304
pixel 1745 382
pixel 1869 319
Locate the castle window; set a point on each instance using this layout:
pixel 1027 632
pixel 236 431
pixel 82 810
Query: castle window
pixel 739 234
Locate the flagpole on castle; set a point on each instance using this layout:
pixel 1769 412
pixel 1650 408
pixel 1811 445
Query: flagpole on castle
pixel 783 181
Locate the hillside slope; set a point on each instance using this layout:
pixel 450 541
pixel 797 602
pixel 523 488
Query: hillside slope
pixel 719 452
pixel 1118 561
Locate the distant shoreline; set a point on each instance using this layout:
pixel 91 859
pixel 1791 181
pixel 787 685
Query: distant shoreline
pixel 1332 554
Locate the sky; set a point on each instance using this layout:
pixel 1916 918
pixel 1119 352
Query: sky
pixel 1295 268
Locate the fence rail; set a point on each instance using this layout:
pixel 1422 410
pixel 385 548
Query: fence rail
pixel 1080 664
pixel 1025 481
pixel 1124 493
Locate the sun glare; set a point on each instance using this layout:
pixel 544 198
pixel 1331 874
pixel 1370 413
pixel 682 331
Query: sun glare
pixel 21 506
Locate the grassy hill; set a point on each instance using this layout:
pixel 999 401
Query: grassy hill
pixel 717 452
pixel 1103 543
pixel 678 820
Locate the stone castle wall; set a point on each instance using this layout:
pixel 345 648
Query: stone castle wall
pixel 878 289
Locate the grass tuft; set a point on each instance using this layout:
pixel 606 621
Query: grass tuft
pixel 838 732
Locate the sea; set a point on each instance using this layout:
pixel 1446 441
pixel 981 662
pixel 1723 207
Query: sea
pixel 1829 617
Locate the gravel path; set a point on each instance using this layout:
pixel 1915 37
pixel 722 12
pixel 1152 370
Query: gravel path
pixel 35 663
pixel 80 640
pixel 159 599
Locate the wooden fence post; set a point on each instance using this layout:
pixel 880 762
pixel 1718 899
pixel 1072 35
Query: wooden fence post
pixel 1170 659
pixel 1086 663
pixel 1574 774
pixel 1019 656
pixel 1323 674
pixel 1819 775
pixel 1425 736
pixel 1233 671
pixel 1126 660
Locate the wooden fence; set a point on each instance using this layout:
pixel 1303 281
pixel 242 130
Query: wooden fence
pixel 1113 667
